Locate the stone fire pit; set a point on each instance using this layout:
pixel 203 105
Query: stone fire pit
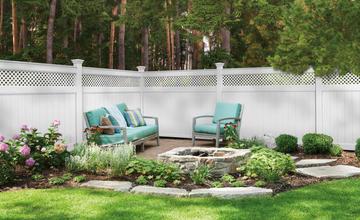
pixel 222 160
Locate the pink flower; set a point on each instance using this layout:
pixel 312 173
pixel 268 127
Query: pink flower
pixel 25 150
pixel 2 138
pixel 16 137
pixel 56 123
pixel 25 128
pixel 4 147
pixel 30 162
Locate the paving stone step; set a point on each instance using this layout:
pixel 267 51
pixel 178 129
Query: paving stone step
pixel 119 186
pixel 339 171
pixel 314 162
pixel 160 191
pixel 230 192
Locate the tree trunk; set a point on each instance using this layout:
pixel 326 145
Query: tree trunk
pixel 15 36
pixel 177 42
pixel 168 45
pixel 121 40
pixel 172 46
pixel 112 35
pixel 145 47
pixel 50 32
pixel 100 42
pixel 198 48
pixel 1 19
pixel 77 27
pixel 23 34
pixel 225 33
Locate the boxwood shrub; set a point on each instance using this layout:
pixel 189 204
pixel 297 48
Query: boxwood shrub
pixel 317 143
pixel 268 165
pixel 286 143
pixel 336 150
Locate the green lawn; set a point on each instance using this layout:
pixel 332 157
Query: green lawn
pixel 331 200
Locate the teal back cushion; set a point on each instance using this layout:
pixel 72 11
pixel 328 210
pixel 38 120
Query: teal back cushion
pixel 122 107
pixel 94 116
pixel 226 110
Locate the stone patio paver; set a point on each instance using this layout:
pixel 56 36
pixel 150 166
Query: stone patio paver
pixel 313 162
pixel 339 171
pixel 230 192
pixel 160 191
pixel 119 186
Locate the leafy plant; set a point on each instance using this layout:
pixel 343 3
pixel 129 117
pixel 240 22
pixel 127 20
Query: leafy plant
pixel 37 177
pixel 238 183
pixel 217 184
pixel 141 180
pixel 268 164
pixel 93 135
pixel 260 183
pixel 227 178
pixel 57 181
pixel 67 176
pixel 152 168
pixel 160 183
pixel 336 150
pixel 316 143
pixel 79 179
pixel 357 149
pixel 201 174
pixel 232 137
pixel 286 143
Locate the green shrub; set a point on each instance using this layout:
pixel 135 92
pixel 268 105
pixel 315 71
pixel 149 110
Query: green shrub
pixel 37 177
pixel 160 183
pixel 141 180
pixel 357 149
pixel 227 178
pixel 233 140
pixel 7 172
pixel 96 159
pixel 260 183
pixel 268 164
pixel 217 184
pixel 286 143
pixel 237 183
pixel 153 169
pixel 79 179
pixel 67 176
pixel 201 174
pixel 57 181
pixel 316 143
pixel 336 150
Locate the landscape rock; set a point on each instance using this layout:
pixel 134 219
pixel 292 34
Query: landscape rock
pixel 119 186
pixel 314 162
pixel 160 191
pixel 230 192
pixel 339 171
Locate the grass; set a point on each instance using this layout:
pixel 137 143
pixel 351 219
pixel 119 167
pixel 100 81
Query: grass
pixel 329 200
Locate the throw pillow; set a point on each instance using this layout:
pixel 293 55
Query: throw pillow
pixel 114 122
pixel 105 121
pixel 134 118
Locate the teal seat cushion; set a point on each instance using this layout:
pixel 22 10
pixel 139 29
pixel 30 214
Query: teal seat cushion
pixel 208 128
pixel 132 133
pixel 93 117
pixel 226 110
pixel 122 107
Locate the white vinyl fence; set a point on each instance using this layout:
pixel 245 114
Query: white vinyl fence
pixel 275 102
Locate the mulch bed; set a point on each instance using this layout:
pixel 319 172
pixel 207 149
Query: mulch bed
pixel 292 181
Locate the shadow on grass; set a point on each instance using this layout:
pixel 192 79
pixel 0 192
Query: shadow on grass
pixel 331 200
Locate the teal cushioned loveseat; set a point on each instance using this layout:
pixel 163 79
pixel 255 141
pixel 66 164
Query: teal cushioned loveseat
pixel 135 135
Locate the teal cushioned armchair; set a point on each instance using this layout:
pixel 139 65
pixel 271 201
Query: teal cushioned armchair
pixel 224 113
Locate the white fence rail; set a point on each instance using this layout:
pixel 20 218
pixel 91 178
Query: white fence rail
pixel 275 102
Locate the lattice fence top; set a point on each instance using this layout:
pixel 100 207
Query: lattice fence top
pixel 90 80
pixel 181 81
pixel 268 79
pixel 26 78
pixel 348 79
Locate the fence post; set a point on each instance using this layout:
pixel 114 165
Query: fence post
pixel 318 105
pixel 79 99
pixel 219 85
pixel 141 70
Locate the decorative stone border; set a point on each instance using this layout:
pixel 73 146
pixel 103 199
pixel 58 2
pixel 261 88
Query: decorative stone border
pixel 224 193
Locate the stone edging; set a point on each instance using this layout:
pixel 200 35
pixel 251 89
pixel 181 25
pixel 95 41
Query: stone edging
pixel 225 193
